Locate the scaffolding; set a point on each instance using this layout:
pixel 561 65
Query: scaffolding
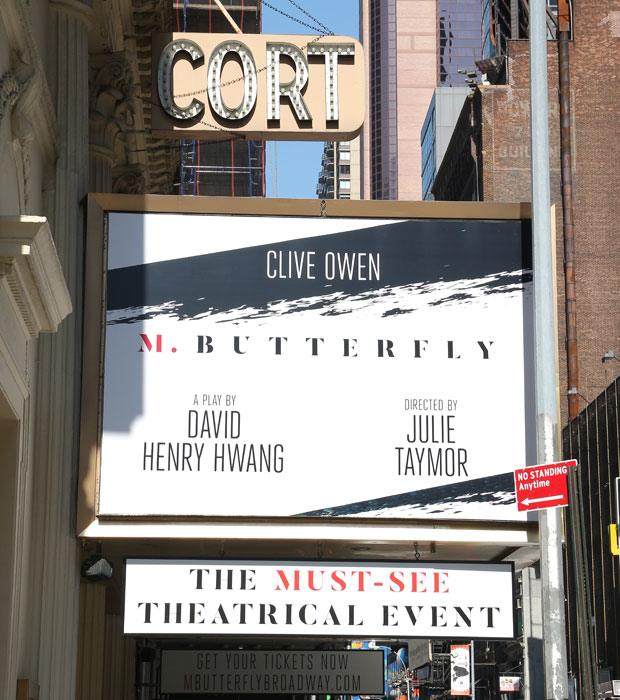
pixel 235 167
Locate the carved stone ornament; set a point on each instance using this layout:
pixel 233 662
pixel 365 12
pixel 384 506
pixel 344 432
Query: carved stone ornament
pixel 128 179
pixel 9 91
pixel 111 99
pixel 13 83
pixel 17 95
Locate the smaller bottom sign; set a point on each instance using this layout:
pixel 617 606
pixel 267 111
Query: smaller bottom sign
pixel 272 672
pixel 509 684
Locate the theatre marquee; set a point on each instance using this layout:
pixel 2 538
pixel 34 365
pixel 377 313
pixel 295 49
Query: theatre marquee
pixel 268 364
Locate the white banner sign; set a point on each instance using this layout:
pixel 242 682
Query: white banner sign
pixel 273 672
pixel 509 684
pixel 460 674
pixel 264 366
pixel 335 599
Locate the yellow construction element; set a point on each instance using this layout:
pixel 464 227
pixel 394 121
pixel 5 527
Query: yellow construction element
pixel 613 539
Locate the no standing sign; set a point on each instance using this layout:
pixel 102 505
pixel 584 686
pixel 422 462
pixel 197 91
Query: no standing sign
pixel 543 485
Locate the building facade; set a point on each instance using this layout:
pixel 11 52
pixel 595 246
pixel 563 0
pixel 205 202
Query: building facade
pixel 492 140
pixel 75 106
pixel 490 152
pixel 339 177
pixel 459 40
pixel 412 48
pixel 400 40
pixel 479 56
pixel 75 103
pixel 443 112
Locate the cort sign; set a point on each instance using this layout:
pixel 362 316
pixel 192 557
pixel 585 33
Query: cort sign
pixel 261 86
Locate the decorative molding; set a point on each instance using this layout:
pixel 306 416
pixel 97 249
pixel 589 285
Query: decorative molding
pixel 128 179
pixel 29 264
pixel 15 15
pixel 162 157
pixel 9 91
pixel 22 84
pixel 111 112
pixel 24 80
pixel 77 9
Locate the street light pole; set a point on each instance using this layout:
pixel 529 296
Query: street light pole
pixel 556 676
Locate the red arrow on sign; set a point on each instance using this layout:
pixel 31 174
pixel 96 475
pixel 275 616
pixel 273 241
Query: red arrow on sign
pixel 543 486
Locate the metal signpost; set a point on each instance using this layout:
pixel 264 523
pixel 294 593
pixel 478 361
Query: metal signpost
pixel 554 639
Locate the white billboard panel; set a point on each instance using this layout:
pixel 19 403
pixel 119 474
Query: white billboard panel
pixel 273 672
pixel 509 684
pixel 283 366
pixel 460 673
pixel 309 599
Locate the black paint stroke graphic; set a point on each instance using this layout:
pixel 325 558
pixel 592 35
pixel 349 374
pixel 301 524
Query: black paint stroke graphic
pixel 496 490
pixel 417 253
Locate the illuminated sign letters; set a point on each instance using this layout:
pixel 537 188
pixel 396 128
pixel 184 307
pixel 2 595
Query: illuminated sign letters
pixel 264 86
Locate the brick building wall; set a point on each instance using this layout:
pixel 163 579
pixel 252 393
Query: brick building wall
pixel 500 132
pixel 595 83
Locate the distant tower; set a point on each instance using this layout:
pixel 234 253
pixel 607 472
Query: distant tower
pixel 411 48
pixel 339 177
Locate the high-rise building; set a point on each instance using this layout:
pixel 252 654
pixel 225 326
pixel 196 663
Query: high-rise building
pixel 412 48
pixel 339 177
pixel 459 47
pixel 400 42
pixel 459 40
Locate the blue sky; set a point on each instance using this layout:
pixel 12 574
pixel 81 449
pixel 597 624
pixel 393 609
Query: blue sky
pixel 292 167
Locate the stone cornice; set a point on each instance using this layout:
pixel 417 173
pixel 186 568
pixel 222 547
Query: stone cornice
pixel 29 265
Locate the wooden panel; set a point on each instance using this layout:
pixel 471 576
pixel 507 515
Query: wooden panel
pixel 27 690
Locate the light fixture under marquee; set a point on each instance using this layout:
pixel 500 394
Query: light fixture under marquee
pixel 303 107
